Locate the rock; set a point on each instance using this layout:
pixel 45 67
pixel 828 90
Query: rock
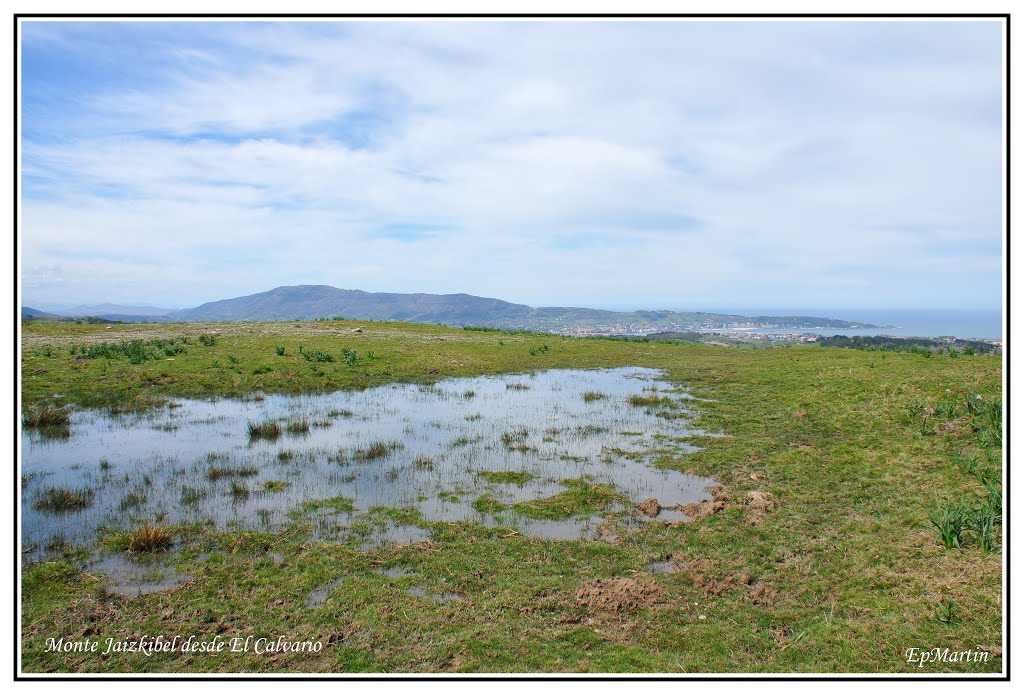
pixel 650 507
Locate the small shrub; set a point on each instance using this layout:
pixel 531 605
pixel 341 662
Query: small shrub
pixel 279 350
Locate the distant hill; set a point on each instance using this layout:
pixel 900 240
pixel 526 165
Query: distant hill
pixel 114 309
pixel 30 314
pixel 304 302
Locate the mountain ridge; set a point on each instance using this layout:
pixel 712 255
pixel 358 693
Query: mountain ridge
pixel 305 302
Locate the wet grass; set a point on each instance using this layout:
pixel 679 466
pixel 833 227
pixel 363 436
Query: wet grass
pixel 842 576
pixel 62 499
pixel 265 430
pixel 45 416
pixel 218 472
pixel 511 477
pixel 376 450
pixel 647 401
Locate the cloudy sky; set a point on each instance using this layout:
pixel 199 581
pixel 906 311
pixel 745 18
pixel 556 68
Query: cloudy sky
pixel 648 164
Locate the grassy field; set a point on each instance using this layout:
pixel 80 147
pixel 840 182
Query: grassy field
pixel 859 516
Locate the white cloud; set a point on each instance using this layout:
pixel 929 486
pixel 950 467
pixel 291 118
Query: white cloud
pixel 587 163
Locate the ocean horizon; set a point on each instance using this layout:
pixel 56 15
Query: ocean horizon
pixel 904 323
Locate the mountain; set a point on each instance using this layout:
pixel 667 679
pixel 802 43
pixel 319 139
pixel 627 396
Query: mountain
pixel 322 301
pixel 108 309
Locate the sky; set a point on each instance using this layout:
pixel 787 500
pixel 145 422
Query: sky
pixel 645 164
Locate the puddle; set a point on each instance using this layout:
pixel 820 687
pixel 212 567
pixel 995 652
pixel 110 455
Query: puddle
pixel 443 597
pixel 391 533
pixel 672 515
pixel 436 449
pixel 316 597
pixel 394 572
pixel 136 575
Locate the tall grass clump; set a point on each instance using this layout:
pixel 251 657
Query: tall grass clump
pixel 218 472
pixel 376 450
pixel 950 520
pixel 642 401
pixel 46 417
pixel 265 430
pixel 63 499
pixel 512 437
pixel 315 355
pixel 591 396
pixel 145 539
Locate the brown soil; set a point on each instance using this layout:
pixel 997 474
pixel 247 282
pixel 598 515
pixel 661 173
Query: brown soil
pixel 763 595
pixel 650 507
pixel 618 594
pixel 699 510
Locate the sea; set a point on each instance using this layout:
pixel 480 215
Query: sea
pixel 921 323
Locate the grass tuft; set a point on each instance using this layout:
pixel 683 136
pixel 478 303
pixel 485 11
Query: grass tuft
pixel 265 430
pixel 62 499
pixel 145 539
pixel 376 450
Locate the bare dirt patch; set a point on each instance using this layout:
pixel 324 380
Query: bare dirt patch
pixel 757 505
pixel 699 510
pixel 619 594
pixel 650 507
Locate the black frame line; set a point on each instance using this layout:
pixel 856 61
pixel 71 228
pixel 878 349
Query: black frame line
pixel 18 676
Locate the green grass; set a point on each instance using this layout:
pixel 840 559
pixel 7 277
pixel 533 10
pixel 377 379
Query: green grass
pixel 581 499
pixel 843 576
pixel 511 477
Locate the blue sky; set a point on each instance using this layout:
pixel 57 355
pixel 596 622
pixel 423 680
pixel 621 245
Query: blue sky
pixel 649 164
